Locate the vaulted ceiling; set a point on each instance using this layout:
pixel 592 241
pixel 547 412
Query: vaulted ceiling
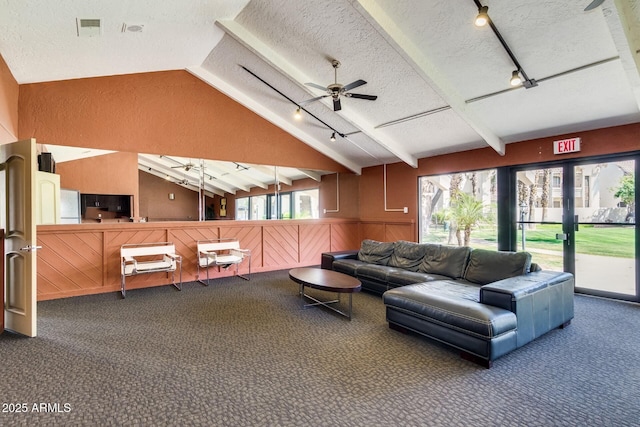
pixel 442 84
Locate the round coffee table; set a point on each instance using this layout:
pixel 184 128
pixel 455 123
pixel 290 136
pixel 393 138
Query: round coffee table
pixel 325 280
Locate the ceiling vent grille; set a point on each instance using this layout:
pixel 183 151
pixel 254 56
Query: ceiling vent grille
pixel 88 27
pixel 132 28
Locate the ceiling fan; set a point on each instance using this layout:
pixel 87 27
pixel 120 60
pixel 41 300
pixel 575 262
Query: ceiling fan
pixel 593 5
pixel 336 90
pixel 187 167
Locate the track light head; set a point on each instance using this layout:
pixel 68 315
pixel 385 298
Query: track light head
pixel 333 137
pixel 482 18
pixel 298 114
pixel 515 78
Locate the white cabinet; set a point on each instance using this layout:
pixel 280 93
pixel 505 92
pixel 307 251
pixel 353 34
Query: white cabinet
pixel 47 198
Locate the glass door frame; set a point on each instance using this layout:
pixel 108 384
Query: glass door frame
pixel 508 212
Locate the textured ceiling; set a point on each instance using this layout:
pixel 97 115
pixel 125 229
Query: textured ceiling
pixel 442 83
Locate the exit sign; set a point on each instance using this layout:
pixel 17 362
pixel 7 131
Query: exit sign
pixel 570 145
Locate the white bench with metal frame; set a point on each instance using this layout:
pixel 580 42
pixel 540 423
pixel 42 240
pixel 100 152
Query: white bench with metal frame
pixel 140 258
pixel 221 253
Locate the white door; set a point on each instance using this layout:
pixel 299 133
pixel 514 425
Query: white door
pixel 17 217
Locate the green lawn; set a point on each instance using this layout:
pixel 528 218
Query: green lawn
pixel 608 241
pixel 617 242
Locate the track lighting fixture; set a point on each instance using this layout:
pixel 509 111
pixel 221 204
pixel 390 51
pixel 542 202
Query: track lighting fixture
pixel 298 113
pixel 333 137
pixel 519 76
pixel 482 18
pixel 515 78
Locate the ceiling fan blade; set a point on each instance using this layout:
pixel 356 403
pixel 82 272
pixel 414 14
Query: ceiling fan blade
pixel 593 5
pixel 361 96
pixel 317 86
pixel 353 85
pixel 336 104
pixel 309 101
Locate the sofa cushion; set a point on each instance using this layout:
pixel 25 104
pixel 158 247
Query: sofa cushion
pixel 377 273
pixel 449 261
pixel 375 252
pixel 407 255
pixel 347 266
pixel 454 289
pixel 459 314
pixel 403 277
pixel 487 266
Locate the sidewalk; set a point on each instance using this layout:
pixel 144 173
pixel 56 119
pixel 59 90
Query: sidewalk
pixel 599 272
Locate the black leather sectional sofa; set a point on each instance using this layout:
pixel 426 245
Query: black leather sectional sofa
pixel 483 302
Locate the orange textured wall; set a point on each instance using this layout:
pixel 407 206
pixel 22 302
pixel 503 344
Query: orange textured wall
pixel 170 112
pixel 344 185
pixel 115 173
pixel 156 205
pixel 618 139
pixel 9 95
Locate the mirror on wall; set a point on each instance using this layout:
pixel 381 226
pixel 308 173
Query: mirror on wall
pixel 165 187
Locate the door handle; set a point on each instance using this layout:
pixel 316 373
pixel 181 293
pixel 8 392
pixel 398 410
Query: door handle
pixel 575 222
pixel 562 236
pixel 30 248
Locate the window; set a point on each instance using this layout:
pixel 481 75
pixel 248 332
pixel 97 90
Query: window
pixel 306 204
pixel 459 209
pixel 285 206
pixel 296 204
pixel 258 207
pixel 242 208
pixel 282 209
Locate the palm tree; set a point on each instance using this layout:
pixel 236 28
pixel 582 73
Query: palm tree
pixel 544 199
pixel 454 194
pixel 426 203
pixel 467 213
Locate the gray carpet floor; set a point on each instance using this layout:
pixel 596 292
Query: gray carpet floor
pixel 241 353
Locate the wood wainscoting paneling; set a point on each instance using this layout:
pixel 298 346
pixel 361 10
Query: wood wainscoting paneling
pixel 84 259
pixel 280 245
pixel 70 263
pixel 314 240
pixel 344 237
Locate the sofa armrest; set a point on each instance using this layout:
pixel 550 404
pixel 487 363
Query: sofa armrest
pixel 541 301
pixel 329 257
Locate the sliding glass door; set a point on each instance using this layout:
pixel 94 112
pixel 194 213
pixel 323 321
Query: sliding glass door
pixel 605 237
pixel 580 217
pixel 539 208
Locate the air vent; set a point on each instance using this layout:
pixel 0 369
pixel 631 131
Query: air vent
pixel 132 28
pixel 88 27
